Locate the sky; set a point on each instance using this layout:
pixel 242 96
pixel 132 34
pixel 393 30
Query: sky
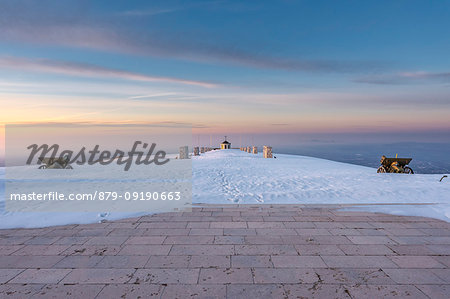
pixel 364 69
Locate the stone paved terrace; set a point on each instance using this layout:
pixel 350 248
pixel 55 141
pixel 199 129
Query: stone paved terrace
pixel 279 251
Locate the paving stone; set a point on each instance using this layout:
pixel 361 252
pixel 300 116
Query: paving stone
pixel 344 232
pixel 186 240
pixel 352 276
pixel 92 250
pixel 168 262
pixel 210 261
pixel 411 250
pixel 295 224
pixel 180 291
pixel 93 232
pixel 255 291
pixel 151 240
pixel 40 240
pixel 229 240
pixel 202 250
pixel 405 232
pixel 34 261
pixel 167 232
pixel 165 276
pixel 366 249
pixel 387 291
pixel 225 275
pixel 287 275
pixel 206 232
pixel 230 224
pixel 57 291
pixel 284 261
pixel 409 240
pixel 71 240
pixel 358 261
pixel 439 249
pixel 145 250
pixel 14 240
pixel 96 276
pixel 443 274
pixel 78 261
pixel 262 224
pixel 129 232
pixel 359 225
pixel 328 224
pixel 251 261
pixel 371 240
pixel 316 240
pixel 269 240
pixel 265 250
pixel 436 231
pixel 438 240
pixel 312 232
pixel 416 261
pixel 8 274
pixel 316 290
pixel 41 276
pixel 19 291
pixel 413 276
pixel 443 259
pixel 198 224
pixel 319 250
pixel 9 249
pixel 115 240
pixel 41 250
pixel 276 231
pixel 239 231
pixel 122 262
pixel 435 291
pixel 152 225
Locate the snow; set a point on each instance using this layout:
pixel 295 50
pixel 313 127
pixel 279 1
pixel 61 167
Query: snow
pixel 235 177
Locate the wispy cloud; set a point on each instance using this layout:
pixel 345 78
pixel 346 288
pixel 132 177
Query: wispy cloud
pixel 406 78
pixel 148 12
pixel 109 34
pixel 171 96
pixel 88 70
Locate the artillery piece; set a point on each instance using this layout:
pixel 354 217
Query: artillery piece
pixel 395 165
pixel 55 163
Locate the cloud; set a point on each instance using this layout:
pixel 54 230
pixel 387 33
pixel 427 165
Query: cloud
pixel 112 33
pixel 406 78
pixel 148 12
pixel 88 70
pixel 169 96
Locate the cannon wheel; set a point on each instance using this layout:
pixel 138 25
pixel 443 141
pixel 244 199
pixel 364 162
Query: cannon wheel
pixel 43 167
pixel 381 169
pixel 68 167
pixel 408 170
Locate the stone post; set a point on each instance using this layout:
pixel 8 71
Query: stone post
pixel 184 152
pixel 255 150
pixel 196 151
pixel 267 152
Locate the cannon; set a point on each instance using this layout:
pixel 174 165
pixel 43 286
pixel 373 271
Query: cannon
pixel 54 163
pixel 394 165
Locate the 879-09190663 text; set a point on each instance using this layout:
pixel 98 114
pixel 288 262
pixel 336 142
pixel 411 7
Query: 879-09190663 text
pixel 97 195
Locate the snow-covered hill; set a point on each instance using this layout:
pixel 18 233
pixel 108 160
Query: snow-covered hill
pixel 232 176
pixel 235 177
